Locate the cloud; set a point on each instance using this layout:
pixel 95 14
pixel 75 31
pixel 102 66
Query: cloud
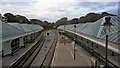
pixel 18 0
pixel 60 0
pixel 99 0
pixel 52 10
pixel 0 7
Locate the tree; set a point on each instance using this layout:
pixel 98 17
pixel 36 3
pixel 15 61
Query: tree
pixel 107 14
pixel 62 21
pixel 22 19
pixel 16 18
pixel 44 24
pixel 92 17
pixel 82 19
pixel 10 17
pixel 74 21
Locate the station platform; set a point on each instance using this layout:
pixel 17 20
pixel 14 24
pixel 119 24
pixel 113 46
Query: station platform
pixel 101 49
pixel 64 55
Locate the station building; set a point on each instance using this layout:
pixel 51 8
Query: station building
pixel 14 36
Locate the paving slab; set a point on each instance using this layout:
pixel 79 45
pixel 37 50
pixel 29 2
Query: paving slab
pixel 64 54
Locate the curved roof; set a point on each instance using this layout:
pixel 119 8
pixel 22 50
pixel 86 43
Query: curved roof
pixel 96 29
pixel 26 27
pixel 9 31
pixel 92 28
pixel 114 30
pixel 12 30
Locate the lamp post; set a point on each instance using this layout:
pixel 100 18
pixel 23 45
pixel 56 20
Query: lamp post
pixel 74 40
pixel 64 35
pixel 107 26
pixel 0 16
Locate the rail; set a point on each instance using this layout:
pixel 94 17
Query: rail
pixel 23 60
pixel 48 59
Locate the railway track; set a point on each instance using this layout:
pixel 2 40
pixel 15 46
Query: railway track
pixel 27 59
pixel 49 57
pixel 29 56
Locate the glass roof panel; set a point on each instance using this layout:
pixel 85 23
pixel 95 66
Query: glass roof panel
pixel 26 28
pixel 8 30
pixel 96 28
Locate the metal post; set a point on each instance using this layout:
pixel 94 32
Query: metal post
pixel 96 64
pixel 92 50
pixel 107 26
pixel 74 51
pixel 106 63
pixel 64 35
pixel 74 40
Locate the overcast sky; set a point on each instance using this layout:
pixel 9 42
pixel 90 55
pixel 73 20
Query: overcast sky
pixel 52 10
